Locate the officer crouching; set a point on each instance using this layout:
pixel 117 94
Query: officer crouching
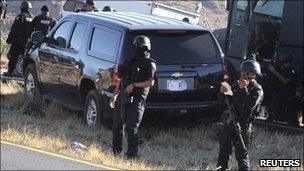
pixel 245 96
pixel 137 76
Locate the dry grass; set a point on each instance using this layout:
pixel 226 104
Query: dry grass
pixel 174 146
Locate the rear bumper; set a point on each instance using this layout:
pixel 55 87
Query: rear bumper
pixel 209 109
pixel 188 105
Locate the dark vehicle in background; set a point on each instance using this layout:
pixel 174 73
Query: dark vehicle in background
pixel 76 64
pixel 266 28
pixel 263 30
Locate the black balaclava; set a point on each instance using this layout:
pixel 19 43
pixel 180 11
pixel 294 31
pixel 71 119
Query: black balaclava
pixel 142 52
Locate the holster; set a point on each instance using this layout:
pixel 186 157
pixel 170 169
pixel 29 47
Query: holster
pixel 127 99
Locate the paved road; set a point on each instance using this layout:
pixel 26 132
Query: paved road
pixel 19 158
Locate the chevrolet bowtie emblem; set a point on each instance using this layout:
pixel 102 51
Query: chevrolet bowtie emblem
pixel 176 75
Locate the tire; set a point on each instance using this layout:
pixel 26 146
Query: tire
pixel 32 89
pixel 19 65
pixel 92 109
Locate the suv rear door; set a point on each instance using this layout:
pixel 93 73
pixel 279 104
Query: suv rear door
pixel 104 46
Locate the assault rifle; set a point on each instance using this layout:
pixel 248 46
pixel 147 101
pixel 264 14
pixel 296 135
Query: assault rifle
pixel 231 119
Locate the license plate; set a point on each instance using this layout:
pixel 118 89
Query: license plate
pixel 176 85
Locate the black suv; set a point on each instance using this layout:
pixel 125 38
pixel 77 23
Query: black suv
pixel 76 64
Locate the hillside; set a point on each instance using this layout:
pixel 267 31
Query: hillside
pixel 215 11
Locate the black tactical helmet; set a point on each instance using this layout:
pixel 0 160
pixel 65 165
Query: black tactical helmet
pixel 44 8
pixel 107 9
pixel 89 2
pixel 251 65
pixel 186 20
pixel 142 41
pixel 26 5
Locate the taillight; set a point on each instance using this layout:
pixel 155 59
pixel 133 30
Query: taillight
pixel 225 73
pixel 115 76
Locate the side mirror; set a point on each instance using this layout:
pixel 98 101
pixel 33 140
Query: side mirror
pixel 61 42
pixel 228 5
pixel 73 5
pixel 38 37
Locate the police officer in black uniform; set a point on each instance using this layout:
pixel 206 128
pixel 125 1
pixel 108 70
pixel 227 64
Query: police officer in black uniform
pixel 245 95
pixel 283 84
pixel 20 32
pixel 107 9
pixel 137 76
pixel 43 22
pixel 3 7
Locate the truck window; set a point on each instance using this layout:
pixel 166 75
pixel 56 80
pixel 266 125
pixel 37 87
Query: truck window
pixel 242 4
pixel 185 48
pixel 78 33
pixel 270 7
pixel 104 43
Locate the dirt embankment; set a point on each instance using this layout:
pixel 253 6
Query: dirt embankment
pixel 174 145
pixel 214 10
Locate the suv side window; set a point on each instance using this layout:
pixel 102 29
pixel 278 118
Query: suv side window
pixel 63 30
pixel 77 36
pixel 104 43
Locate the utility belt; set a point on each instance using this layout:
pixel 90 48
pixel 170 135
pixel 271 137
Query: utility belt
pixel 127 99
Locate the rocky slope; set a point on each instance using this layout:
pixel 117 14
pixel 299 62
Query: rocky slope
pixel 214 10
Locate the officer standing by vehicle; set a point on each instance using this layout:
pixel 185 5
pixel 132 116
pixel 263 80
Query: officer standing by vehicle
pixel 43 22
pixel 3 6
pixel 89 6
pixel 245 96
pixel 137 76
pixel 18 36
pixel 283 82
pixel 107 9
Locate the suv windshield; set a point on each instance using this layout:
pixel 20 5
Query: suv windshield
pixel 180 48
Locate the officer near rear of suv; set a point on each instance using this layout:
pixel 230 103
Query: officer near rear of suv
pixel 137 76
pixel 43 22
pixel 18 36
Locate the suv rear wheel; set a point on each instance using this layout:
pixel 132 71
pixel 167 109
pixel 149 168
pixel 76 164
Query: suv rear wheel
pixel 19 65
pixel 92 109
pixel 31 88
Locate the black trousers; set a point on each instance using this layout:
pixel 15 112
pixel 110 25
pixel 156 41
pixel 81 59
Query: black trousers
pixel 228 140
pixel 131 118
pixel 280 102
pixel 14 52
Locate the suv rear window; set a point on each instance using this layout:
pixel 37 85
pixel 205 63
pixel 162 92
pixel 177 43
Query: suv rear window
pixel 180 48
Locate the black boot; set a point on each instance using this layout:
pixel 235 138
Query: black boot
pixel 130 155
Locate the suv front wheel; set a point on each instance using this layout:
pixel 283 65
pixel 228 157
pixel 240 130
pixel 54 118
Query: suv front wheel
pixel 92 109
pixel 31 88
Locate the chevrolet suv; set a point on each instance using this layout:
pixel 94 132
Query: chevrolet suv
pixel 76 64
